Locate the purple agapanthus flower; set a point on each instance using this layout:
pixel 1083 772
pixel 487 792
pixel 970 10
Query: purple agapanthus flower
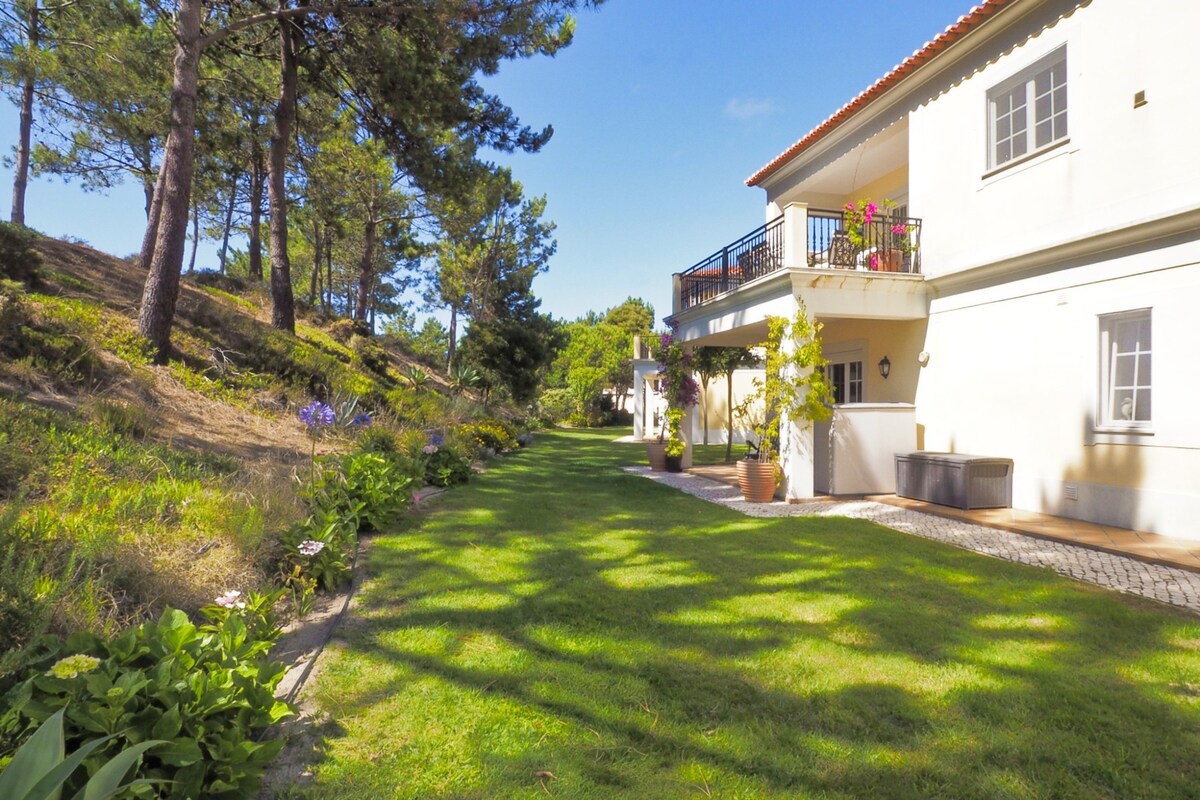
pixel 437 440
pixel 361 421
pixel 317 413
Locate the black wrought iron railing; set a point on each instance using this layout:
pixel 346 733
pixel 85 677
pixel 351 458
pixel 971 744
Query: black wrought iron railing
pixel 889 243
pixel 758 253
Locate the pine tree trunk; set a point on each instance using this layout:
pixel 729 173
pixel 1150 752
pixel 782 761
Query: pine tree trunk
pixel 146 254
pixel 328 273
pixel 148 185
pixel 453 336
pixel 283 310
pixel 312 281
pixel 366 267
pixel 229 219
pixel 256 197
pixel 174 187
pixel 195 237
pixel 25 135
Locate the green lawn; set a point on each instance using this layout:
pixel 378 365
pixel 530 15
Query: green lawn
pixel 559 616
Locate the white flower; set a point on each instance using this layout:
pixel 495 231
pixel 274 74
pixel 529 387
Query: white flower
pixel 310 547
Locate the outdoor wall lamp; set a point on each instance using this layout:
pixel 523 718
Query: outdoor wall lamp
pixel 885 367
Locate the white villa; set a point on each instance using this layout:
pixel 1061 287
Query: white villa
pixel 1034 294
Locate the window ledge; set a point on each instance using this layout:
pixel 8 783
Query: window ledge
pixel 1025 159
pixel 1110 434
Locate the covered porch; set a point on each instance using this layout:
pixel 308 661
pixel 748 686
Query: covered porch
pixel 873 332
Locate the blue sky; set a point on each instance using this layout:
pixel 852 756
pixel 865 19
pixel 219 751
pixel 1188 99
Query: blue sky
pixel 661 110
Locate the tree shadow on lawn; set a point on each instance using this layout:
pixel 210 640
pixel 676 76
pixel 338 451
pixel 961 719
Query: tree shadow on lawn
pixel 631 639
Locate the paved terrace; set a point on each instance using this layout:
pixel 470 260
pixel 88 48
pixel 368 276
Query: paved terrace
pixel 1150 566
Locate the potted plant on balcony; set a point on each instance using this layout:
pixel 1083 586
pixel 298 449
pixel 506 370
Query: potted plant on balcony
pixel 793 383
pixel 875 232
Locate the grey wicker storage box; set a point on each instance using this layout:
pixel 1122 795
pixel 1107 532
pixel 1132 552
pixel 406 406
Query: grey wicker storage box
pixel 954 479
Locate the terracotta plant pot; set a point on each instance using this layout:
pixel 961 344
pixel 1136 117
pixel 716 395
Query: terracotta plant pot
pixel 656 452
pixel 891 260
pixel 674 463
pixel 756 480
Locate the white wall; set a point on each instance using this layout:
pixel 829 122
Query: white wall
pixel 1014 371
pixel 1121 164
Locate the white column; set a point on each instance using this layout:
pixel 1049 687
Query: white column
pixel 639 403
pixel 796 444
pixel 795 235
pixel 686 433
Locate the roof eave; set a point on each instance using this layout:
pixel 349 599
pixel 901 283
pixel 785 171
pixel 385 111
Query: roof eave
pixel 954 33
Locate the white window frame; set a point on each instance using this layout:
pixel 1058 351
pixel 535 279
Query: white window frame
pixel 1107 419
pixel 1025 86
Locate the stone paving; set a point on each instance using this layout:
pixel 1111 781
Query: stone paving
pixel 1169 585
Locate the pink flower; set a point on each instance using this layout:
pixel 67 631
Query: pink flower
pixel 429 449
pixel 874 261
pixel 416 498
pixel 230 600
pixel 899 229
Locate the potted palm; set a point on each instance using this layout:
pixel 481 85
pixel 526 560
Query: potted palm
pixel 793 383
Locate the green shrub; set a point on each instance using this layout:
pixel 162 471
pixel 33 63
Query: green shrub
pixel 206 690
pixel 556 405
pixel 378 439
pixel 445 467
pixel 370 490
pixel 122 419
pixel 18 260
pixel 28 589
pixel 494 434
pixel 370 354
pixel 41 767
pixel 317 553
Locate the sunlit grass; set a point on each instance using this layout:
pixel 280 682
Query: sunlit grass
pixel 558 616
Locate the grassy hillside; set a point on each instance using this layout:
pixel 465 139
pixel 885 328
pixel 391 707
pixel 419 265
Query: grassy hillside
pixel 126 487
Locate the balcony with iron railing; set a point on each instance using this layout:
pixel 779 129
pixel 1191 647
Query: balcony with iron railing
pixel 805 239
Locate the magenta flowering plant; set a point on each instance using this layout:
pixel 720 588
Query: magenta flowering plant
pixel 678 385
pixel 858 217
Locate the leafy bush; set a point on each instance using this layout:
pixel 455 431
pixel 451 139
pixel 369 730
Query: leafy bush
pixel 368 489
pixel 41 766
pixel 205 690
pixel 370 354
pixel 445 467
pixel 18 260
pixel 493 433
pixel 317 553
pixel 378 439
pixel 556 405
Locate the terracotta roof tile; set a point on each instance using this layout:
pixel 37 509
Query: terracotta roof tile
pixel 966 23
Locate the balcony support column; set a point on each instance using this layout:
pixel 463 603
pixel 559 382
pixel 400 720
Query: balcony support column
pixel 795 235
pixel 797 449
